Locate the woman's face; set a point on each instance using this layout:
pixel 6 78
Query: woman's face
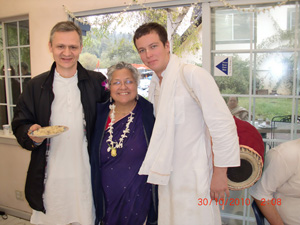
pixel 232 102
pixel 123 87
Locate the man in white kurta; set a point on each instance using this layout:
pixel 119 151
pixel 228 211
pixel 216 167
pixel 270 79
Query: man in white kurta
pixel 179 157
pixel 68 194
pixel 58 183
pixel 277 193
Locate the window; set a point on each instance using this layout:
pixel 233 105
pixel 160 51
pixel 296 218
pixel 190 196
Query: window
pixel 291 20
pixel 232 26
pixel 14 65
pixel 265 52
pixel 265 74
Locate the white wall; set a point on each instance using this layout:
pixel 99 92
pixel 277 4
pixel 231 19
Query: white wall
pixel 13 169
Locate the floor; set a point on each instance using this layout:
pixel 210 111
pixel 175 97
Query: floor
pixel 10 220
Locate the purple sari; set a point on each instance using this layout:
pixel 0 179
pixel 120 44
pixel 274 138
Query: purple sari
pixel 127 195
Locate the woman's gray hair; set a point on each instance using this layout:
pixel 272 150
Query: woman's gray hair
pixel 123 65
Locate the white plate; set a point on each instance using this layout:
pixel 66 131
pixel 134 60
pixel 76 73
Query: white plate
pixel 48 132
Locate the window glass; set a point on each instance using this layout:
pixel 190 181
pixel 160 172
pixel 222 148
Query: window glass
pixel 11 34
pixel 1 50
pixel 276 28
pixel 2 90
pixel 233 212
pixel 15 88
pixel 235 221
pixel 228 208
pixel 25 61
pixel 298 76
pixel 268 108
pixel 238 83
pixel 296 28
pixel 13 61
pixel 3 115
pixel 24 32
pixel 273 119
pixel 25 70
pixel 11 111
pixel 273 73
pixel 2 79
pixel 231 29
pixel 3 109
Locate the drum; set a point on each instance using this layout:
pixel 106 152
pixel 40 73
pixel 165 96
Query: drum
pixel 252 156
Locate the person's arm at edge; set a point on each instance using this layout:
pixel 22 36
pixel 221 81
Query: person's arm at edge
pixel 270 212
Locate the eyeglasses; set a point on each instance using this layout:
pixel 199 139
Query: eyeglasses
pixel 119 83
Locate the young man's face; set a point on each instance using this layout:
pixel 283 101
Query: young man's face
pixel 153 53
pixel 66 48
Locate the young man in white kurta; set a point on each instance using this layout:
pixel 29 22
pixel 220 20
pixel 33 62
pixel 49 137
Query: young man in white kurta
pixel 179 157
pixel 279 187
pixel 68 194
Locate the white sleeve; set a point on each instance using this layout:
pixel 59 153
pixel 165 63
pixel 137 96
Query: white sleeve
pixel 217 116
pixel 276 172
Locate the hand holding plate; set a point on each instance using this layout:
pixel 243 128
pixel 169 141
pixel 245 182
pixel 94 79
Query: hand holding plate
pixel 34 138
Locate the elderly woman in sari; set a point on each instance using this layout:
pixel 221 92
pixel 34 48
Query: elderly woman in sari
pixel 122 133
pixel 236 110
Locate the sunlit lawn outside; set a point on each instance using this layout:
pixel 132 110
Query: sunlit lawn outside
pixel 268 108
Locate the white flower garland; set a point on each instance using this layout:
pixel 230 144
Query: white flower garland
pixel 112 145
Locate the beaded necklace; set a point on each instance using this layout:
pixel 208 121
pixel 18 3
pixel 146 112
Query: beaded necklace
pixel 113 145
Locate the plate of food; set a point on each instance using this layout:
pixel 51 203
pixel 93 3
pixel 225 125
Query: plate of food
pixel 49 131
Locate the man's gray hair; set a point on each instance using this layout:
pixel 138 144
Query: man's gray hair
pixel 123 65
pixel 66 26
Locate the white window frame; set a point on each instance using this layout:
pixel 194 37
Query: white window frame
pixel 8 91
pixel 208 52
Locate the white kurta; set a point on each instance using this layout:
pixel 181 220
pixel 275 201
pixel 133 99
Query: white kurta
pixel 280 182
pixel 68 193
pixel 192 159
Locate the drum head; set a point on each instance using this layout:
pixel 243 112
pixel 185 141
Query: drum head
pixel 248 172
